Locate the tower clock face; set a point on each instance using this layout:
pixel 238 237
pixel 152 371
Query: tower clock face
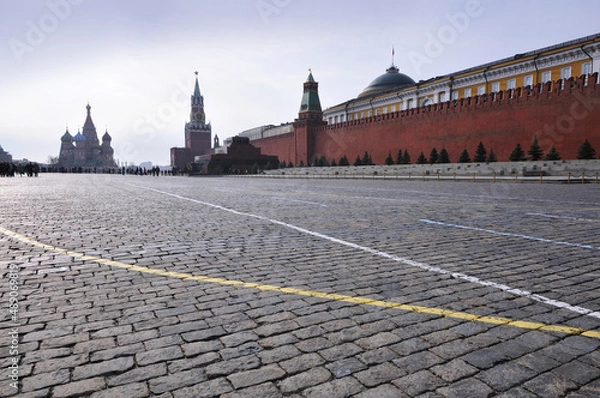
pixel 199 116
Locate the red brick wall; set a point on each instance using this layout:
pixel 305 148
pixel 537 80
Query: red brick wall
pixel 282 146
pixel 563 118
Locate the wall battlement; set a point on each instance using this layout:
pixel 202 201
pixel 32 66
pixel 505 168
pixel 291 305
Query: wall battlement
pixel 539 92
pixel 562 113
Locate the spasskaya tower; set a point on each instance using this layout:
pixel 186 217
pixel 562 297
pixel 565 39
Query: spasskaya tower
pixel 197 133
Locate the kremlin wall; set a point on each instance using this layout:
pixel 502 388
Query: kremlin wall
pixel 552 94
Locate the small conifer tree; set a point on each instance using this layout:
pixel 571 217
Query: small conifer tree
pixel 344 161
pixel 358 161
pixel 323 162
pixel 433 156
pixel 399 157
pixel 333 164
pixel 480 153
pixel 405 157
pixel 552 154
pixel 366 160
pixel 491 157
pixel 464 157
pixel 421 159
pixel 517 155
pixel 444 157
pixel 535 152
pixel 389 160
pixel 586 151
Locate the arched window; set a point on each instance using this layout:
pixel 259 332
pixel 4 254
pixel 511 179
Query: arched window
pixel 426 101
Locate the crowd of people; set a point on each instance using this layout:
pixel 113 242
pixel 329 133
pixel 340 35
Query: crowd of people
pixel 10 169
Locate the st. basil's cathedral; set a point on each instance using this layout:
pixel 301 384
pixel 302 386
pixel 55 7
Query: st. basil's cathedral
pixel 84 150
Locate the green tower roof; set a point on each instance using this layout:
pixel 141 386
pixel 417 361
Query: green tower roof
pixel 310 97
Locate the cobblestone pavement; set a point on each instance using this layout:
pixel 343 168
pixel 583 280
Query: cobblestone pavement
pixel 236 287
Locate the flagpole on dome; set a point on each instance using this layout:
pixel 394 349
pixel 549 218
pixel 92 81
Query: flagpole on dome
pixel 393 53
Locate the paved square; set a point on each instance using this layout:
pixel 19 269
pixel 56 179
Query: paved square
pixel 254 287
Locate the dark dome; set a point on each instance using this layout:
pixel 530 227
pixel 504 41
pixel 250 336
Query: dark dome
pixel 390 80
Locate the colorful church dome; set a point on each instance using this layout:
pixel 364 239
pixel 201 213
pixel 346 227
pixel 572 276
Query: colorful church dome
pixel 79 137
pixel 67 137
pixel 392 79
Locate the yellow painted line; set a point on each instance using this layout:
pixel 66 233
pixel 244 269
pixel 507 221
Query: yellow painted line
pixel 311 293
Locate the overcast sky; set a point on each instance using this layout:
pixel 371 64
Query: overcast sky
pixel 134 61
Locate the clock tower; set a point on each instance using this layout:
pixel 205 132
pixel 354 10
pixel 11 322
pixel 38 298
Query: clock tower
pixel 197 131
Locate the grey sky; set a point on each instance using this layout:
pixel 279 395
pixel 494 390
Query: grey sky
pixel 134 61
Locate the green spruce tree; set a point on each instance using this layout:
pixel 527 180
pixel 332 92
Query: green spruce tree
pixel 421 159
pixel 389 160
pixel 433 156
pixel 405 157
pixel 366 160
pixel 358 161
pixel 517 155
pixel 480 153
pixel 444 157
pixel 399 157
pixel 552 154
pixel 491 157
pixel 464 157
pixel 333 164
pixel 586 151
pixel 344 161
pixel 535 152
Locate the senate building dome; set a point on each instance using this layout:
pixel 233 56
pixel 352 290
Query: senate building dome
pixel 392 79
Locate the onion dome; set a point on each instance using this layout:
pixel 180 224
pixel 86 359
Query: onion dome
pixel 67 137
pixel 106 136
pixel 392 79
pixel 79 137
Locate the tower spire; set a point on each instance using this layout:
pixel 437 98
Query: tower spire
pixel 197 86
pixel 197 111
pixel 310 97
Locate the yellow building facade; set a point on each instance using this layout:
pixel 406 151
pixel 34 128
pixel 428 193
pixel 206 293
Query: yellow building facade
pixel 394 91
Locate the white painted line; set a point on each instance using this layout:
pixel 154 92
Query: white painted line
pixel 562 217
pixel 300 201
pixel 406 261
pixel 491 231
